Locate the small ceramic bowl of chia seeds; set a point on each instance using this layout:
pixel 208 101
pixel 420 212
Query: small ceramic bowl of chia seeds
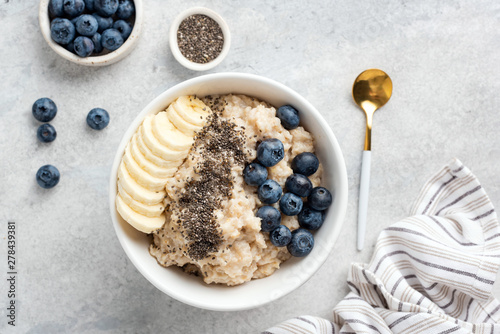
pixel 199 39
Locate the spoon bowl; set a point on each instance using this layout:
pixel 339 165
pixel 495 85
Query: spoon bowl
pixel 371 90
pixel 373 87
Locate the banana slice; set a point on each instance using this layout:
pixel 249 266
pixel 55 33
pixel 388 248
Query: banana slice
pixel 148 166
pixel 142 223
pixel 136 191
pixel 187 128
pixel 192 109
pixel 155 146
pixel 169 135
pixel 154 210
pixel 152 157
pixel 141 176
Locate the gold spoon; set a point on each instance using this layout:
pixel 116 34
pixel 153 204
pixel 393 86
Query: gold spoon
pixel 371 90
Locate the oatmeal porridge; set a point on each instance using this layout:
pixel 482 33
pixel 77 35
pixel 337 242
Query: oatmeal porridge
pixel 208 223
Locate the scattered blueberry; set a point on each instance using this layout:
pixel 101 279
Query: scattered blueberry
pixel 254 174
pixel 125 9
pixel 111 39
pixel 44 109
pixel 46 133
pixel 280 236
pixel 290 204
pixel 106 8
pixel 270 218
pixel 86 25
pixel 289 117
pixel 56 8
pixel 123 27
pixel 299 185
pixel 319 199
pixel 270 152
pixel 310 219
pixel 269 192
pixel 98 118
pixel 83 46
pixel 305 163
pixel 47 176
pixel 89 4
pixel 103 22
pixel 62 31
pixel 302 243
pixel 73 8
pixel 96 39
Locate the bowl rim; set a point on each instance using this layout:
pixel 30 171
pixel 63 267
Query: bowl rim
pixel 174 47
pixel 104 60
pixel 341 192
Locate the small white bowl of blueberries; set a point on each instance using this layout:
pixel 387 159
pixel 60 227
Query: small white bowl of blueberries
pixel 91 32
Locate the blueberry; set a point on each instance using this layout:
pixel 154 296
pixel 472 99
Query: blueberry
pixel 103 22
pixel 86 25
pixel 111 39
pixel 305 163
pixel 73 20
pixel 70 47
pixel 73 8
pixel 270 218
pixel 89 4
pixel 269 192
pixel 125 9
pixel 106 8
pixel 255 174
pixel 96 39
pixel 289 117
pixel 270 152
pixel 299 185
pixel 280 236
pixel 47 176
pixel 56 8
pixel 62 31
pixel 46 133
pixel 290 204
pixel 320 199
pixel 83 46
pixel 98 118
pixel 302 243
pixel 310 219
pixel 44 109
pixel 123 27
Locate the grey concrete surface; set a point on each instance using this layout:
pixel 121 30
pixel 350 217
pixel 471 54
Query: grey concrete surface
pixel 73 276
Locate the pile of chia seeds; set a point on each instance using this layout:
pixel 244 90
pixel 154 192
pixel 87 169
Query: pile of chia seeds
pixel 220 146
pixel 200 38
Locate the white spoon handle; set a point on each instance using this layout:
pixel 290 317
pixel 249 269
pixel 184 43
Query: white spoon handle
pixel 364 188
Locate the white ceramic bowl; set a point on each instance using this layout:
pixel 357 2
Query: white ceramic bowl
pixel 294 272
pixel 174 47
pixel 106 59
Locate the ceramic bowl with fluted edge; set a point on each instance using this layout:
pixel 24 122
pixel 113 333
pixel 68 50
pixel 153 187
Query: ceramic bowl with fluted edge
pixel 174 46
pixel 292 273
pixel 102 60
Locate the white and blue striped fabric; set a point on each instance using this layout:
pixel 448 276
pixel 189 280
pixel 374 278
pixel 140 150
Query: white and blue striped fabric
pixel 432 272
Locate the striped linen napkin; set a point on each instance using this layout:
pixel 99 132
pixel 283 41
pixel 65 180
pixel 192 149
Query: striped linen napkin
pixel 430 273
